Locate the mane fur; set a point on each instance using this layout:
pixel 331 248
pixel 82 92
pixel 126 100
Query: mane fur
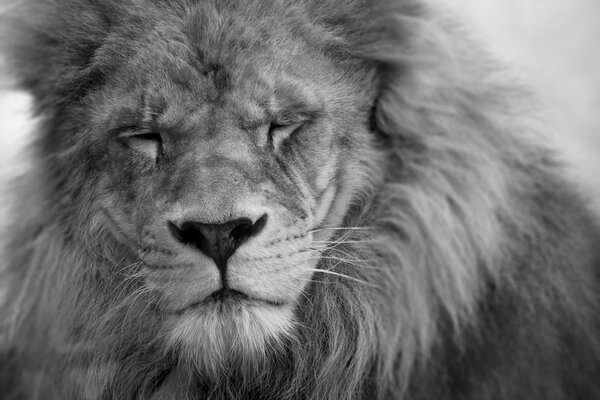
pixel 470 249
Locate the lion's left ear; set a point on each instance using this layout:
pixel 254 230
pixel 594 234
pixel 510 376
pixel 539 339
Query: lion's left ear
pixel 398 40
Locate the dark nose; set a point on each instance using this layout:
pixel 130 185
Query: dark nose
pixel 217 241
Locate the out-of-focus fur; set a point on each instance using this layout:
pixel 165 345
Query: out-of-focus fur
pixel 472 272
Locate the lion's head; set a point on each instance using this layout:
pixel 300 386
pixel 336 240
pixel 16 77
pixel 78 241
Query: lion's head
pixel 257 199
pixel 220 154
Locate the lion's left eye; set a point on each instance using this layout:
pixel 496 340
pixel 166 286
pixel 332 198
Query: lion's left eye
pixel 279 132
pixel 149 144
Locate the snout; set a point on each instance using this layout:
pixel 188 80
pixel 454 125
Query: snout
pixel 217 241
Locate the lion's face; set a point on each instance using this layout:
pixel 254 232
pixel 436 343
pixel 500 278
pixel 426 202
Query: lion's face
pixel 226 159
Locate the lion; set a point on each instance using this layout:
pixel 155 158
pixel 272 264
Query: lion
pixel 293 199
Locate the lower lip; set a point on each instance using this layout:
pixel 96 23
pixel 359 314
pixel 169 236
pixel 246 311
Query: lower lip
pixel 227 303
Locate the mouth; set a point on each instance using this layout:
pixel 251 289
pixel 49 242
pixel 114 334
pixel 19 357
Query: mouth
pixel 224 299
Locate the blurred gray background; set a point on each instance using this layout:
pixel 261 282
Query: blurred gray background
pixel 552 44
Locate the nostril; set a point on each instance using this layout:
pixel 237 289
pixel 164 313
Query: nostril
pixel 246 229
pixel 187 233
pixel 217 241
pixel 241 230
pixel 175 231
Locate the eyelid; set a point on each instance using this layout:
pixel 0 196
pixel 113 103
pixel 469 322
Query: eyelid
pixel 290 117
pixel 280 131
pixel 297 120
pixel 282 125
pixel 292 126
pixel 129 131
pixel 134 132
pixel 144 142
pixel 145 136
pixel 298 116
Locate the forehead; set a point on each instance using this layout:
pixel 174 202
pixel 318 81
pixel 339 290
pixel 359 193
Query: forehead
pixel 211 51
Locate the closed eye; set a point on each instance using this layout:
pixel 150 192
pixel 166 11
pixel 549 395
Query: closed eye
pixel 279 132
pixel 148 144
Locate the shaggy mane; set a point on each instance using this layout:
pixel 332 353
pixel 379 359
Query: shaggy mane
pixel 466 246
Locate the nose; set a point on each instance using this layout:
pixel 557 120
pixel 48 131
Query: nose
pixel 217 241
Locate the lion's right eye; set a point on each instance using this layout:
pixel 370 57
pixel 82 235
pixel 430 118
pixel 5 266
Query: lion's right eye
pixel 149 144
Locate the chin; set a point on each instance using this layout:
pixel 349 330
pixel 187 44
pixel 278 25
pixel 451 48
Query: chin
pixel 217 334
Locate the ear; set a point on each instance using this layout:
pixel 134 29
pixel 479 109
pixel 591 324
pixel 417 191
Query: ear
pixel 51 45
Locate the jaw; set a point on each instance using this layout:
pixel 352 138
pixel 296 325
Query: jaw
pixel 226 335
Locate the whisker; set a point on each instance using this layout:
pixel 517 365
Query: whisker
pixel 343 276
pixel 132 302
pixel 344 238
pixel 357 266
pixel 122 290
pixel 123 270
pixel 354 228
pixel 117 231
pixel 331 245
pixel 335 251
pixel 300 290
pixel 127 282
pixel 344 254
pixel 354 261
pixel 328 242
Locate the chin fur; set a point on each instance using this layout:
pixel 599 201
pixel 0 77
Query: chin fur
pixel 214 336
